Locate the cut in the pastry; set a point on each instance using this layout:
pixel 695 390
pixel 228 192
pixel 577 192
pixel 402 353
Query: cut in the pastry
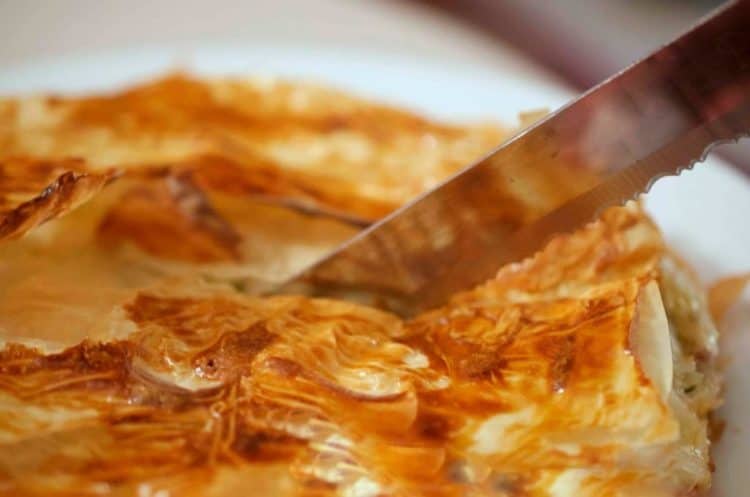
pixel 135 362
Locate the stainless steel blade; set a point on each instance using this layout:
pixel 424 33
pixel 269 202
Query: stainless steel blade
pixel 653 119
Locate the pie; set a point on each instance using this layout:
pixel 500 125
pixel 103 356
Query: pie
pixel 137 360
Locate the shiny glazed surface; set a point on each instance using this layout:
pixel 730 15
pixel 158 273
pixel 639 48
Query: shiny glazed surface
pixel 132 367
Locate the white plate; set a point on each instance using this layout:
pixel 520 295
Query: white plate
pixel 703 213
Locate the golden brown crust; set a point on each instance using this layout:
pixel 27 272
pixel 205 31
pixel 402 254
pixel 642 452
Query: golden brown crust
pixel 312 146
pixel 124 373
pixel 35 191
pixel 203 383
pixel 247 149
pixel 171 218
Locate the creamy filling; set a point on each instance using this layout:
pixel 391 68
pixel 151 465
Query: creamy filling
pixel 696 388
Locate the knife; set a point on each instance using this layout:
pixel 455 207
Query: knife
pixel 655 118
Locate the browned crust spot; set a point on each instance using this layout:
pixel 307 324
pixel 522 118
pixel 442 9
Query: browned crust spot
pixel 71 188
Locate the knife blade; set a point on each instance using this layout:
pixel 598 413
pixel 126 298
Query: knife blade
pixel 655 118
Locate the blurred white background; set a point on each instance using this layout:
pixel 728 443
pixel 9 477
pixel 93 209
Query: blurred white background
pixel 30 30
